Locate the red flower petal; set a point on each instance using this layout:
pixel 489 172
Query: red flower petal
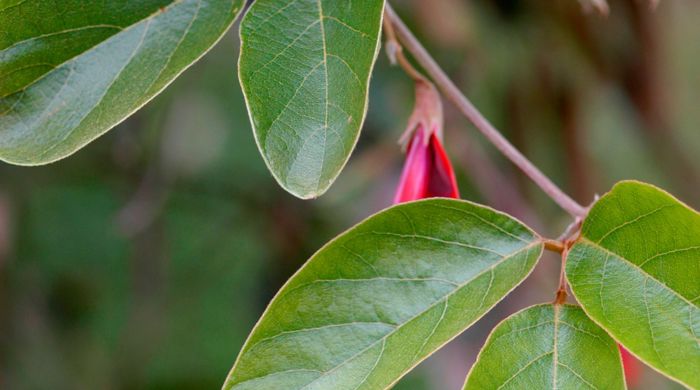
pixel 631 367
pixel 427 171
pixel 441 180
pixel 412 184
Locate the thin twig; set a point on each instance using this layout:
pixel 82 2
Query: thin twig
pixel 571 230
pixel 444 83
pixel 395 53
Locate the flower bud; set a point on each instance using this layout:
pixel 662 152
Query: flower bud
pixel 427 171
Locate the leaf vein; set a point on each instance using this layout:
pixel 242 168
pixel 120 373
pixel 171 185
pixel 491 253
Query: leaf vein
pixel 523 368
pixel 376 363
pixel 555 346
pixel 435 239
pixel 632 221
pixel 283 50
pixel 325 103
pixel 66 31
pixel 276 373
pixel 432 331
pixel 587 383
pixel 349 27
pixel 329 326
pixel 692 248
pixel 342 60
pixel 462 285
pixel 483 220
pixel 641 271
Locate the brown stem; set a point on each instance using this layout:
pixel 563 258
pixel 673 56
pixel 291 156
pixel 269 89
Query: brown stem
pixel 554 245
pixel 446 85
pixel 561 291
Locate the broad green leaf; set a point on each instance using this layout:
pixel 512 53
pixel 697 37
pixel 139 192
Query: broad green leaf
pixel 547 347
pixel 384 295
pixel 304 68
pixel 636 271
pixel 70 70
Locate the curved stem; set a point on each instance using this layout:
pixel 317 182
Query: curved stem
pixel 451 91
pixel 395 53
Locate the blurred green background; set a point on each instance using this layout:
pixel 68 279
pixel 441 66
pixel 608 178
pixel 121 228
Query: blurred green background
pixel 143 261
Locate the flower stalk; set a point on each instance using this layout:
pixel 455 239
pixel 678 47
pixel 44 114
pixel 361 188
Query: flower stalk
pixel 403 35
pixel 427 171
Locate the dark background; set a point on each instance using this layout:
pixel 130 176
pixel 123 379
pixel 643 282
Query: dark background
pixel 144 260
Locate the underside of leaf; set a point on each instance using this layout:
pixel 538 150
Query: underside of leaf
pixel 304 69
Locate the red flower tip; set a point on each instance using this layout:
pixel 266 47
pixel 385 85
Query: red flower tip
pixel 427 172
pixel 631 366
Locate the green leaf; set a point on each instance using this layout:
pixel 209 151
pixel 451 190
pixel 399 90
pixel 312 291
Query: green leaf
pixel 636 271
pixel 547 347
pixel 71 70
pixel 305 68
pixel 384 295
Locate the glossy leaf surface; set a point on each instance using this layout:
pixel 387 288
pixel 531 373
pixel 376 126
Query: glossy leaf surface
pixel 547 347
pixel 71 70
pixel 636 272
pixel 384 295
pixel 304 68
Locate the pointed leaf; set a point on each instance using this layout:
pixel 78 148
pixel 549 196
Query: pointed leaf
pixel 547 347
pixel 636 271
pixel 304 68
pixel 384 295
pixel 71 70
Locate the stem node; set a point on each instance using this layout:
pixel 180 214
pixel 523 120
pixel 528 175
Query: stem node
pixel 554 245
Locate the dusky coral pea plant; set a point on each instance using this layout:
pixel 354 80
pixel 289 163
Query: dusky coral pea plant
pixel 387 293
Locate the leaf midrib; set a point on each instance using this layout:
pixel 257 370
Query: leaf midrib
pixel 66 31
pixel 555 346
pixel 398 327
pixel 556 322
pixel 325 100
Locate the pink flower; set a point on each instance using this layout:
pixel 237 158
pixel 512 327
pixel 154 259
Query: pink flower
pixel 427 171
